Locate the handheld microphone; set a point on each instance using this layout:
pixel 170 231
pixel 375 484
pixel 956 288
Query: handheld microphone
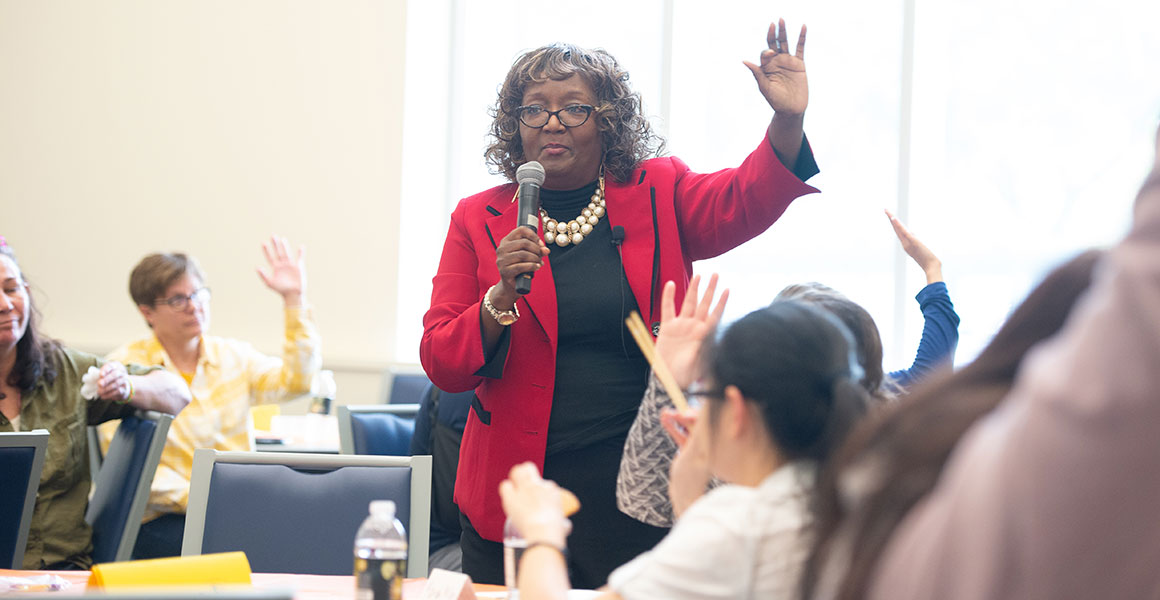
pixel 530 176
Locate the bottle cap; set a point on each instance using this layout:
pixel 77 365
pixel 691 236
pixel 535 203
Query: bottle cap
pixel 383 507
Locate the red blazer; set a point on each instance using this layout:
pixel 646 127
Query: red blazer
pixel 671 217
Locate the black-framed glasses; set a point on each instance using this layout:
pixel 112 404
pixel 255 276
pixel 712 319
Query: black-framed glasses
pixel 181 302
pixel 573 115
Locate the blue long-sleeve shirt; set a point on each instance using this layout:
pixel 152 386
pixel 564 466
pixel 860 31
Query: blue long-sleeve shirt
pixel 940 334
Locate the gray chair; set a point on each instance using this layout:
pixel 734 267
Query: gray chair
pixel 121 488
pixel 378 429
pixel 96 456
pixel 298 513
pixel 402 385
pixel 21 463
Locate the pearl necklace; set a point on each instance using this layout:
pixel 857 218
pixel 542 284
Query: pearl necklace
pixel 574 231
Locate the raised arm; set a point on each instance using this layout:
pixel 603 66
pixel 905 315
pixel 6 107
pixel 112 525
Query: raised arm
pixel 781 78
pixel 276 379
pixel 940 329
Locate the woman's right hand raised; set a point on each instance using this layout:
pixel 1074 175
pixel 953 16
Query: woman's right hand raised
pixel 923 257
pixel 679 342
pixel 521 251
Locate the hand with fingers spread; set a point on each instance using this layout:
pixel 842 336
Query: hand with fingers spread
pixel 781 76
pixel 286 275
pixel 918 251
pixel 682 333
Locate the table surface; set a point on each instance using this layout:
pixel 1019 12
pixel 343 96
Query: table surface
pixel 306 587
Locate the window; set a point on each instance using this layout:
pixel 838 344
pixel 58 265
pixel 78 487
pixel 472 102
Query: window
pixel 1008 137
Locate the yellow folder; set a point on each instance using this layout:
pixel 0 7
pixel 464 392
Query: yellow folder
pixel 207 569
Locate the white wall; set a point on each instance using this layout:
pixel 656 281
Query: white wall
pixel 133 126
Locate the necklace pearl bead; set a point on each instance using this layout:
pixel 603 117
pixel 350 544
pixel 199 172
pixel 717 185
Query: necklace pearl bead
pixel 572 232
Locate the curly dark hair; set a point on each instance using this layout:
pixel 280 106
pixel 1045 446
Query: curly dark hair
pixel 625 133
pixel 34 352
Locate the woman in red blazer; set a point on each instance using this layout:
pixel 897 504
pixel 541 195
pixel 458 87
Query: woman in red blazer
pixel 557 378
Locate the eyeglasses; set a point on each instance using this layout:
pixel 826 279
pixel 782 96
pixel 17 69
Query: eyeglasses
pixel 697 393
pixel 573 115
pixel 181 302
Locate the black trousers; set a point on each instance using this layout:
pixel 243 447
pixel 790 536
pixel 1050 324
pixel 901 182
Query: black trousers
pixel 602 538
pixel 160 538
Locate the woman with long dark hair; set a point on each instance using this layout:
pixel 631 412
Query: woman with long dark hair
pixel 40 388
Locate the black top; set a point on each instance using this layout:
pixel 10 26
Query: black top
pixel 601 375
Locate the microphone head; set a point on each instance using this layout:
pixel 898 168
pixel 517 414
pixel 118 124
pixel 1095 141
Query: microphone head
pixel 530 172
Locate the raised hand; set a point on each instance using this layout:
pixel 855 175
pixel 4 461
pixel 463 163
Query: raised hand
pixel 781 76
pixel 681 334
pixel 285 275
pixel 918 251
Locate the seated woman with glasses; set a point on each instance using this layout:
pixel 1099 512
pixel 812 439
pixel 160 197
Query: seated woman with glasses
pixel 41 388
pixel 225 376
pixel 556 375
pixel 780 392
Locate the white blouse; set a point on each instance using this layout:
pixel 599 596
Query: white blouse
pixel 733 542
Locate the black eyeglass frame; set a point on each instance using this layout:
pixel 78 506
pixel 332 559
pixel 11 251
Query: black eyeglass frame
pixel 180 302
pixel 588 109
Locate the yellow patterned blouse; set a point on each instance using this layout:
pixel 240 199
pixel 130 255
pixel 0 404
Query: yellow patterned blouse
pixel 231 377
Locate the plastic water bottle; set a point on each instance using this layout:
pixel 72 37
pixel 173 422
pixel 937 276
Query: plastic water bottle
pixel 322 390
pixel 380 554
pixel 514 545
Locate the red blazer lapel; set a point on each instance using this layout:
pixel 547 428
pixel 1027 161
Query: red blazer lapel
pixel 540 303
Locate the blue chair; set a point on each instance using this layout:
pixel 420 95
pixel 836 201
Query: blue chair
pixel 21 462
pixel 121 487
pixel 404 386
pixel 378 429
pixel 298 513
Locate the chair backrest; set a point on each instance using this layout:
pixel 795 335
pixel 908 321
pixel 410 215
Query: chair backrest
pixel 121 487
pixel 96 456
pixel 298 513
pixel 21 462
pixel 379 429
pixel 404 386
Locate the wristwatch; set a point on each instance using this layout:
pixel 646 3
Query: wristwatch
pixel 506 317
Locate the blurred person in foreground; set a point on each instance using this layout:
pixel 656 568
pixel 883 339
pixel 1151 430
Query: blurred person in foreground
pixel 780 392
pixel 894 459
pixel 1054 494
